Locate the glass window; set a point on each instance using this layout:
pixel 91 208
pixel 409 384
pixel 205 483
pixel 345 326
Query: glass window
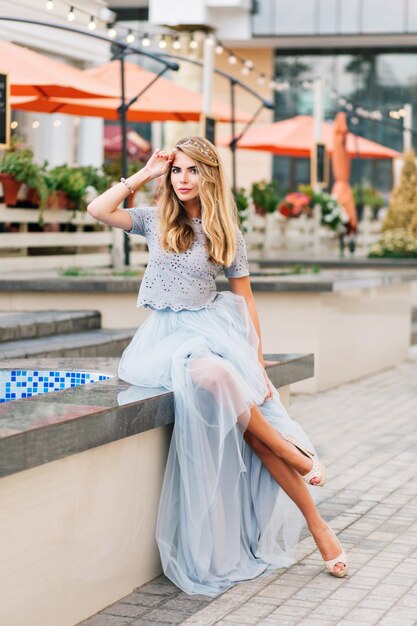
pixel 376 81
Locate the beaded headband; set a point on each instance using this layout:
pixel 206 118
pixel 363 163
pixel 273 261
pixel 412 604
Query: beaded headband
pixel 204 149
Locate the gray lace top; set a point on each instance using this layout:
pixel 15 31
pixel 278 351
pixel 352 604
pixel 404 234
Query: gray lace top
pixel 185 280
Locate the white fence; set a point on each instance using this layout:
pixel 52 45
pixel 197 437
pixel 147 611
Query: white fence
pixel 99 247
pixel 274 232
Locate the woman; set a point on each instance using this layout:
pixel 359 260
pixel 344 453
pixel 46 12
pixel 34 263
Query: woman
pixel 240 470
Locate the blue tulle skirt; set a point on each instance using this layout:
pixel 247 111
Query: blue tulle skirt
pixel 222 518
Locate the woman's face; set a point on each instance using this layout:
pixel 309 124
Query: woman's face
pixel 184 177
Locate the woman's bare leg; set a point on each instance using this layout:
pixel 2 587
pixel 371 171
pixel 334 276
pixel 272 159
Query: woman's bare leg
pixel 262 430
pixel 297 490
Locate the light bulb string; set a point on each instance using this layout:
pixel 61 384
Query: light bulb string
pixel 276 83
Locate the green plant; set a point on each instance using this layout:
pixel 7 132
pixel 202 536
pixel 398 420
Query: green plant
pixel 93 178
pixel 74 271
pixel 333 215
pixel 397 243
pixel 113 168
pixel 368 195
pixel 402 212
pixel 242 204
pixel 72 181
pixel 266 195
pixel 19 163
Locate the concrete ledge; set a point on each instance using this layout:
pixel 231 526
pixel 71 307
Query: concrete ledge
pixel 52 426
pixel 336 280
pixel 79 521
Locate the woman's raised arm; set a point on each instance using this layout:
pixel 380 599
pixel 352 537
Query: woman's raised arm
pixel 105 207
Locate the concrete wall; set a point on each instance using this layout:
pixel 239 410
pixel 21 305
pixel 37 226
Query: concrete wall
pixel 352 333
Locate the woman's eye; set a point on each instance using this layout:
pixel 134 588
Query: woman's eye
pixel 175 170
pixel 193 170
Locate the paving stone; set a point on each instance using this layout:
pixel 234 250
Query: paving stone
pixel 370 500
pixel 106 620
pixel 125 610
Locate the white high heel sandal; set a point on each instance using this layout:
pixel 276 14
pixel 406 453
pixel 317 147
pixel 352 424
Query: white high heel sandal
pixel 317 471
pixel 342 558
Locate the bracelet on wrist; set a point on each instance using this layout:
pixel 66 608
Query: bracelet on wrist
pixel 124 181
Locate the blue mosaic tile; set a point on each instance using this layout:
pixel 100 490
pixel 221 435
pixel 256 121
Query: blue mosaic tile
pixel 16 384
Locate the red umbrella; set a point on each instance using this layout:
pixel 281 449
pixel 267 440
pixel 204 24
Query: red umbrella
pixel 295 137
pixel 342 190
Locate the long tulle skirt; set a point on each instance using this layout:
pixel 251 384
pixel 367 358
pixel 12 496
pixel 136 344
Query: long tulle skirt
pixel 222 518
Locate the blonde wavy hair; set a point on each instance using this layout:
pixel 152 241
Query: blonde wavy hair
pixel 218 208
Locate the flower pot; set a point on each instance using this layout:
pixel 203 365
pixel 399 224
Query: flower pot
pixel 11 189
pixel 58 200
pixel 33 197
pixel 259 210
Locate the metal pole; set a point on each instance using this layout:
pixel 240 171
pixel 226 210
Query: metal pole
pixel 208 64
pixel 233 142
pixel 408 127
pixel 123 125
pixel 318 135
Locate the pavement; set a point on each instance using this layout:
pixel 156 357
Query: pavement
pixel 366 433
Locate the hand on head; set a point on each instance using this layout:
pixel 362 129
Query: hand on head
pixel 160 162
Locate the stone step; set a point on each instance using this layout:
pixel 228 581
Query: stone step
pixel 97 342
pixel 17 325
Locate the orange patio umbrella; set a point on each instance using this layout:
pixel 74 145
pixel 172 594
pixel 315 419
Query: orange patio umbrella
pixel 342 190
pixel 295 137
pixel 164 100
pixel 36 75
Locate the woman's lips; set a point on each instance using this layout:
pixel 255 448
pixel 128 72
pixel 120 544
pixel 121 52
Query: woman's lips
pixel 183 189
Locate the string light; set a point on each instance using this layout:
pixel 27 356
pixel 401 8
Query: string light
pixel 232 59
pixel 162 42
pixel 14 124
pixel 36 124
pixel 92 23
pixel 210 39
pixel 50 5
pixel 193 43
pixel 261 79
pixel 130 37
pixel 219 49
pixel 176 44
pixel 71 15
pixel 145 41
pixel 57 123
pixel 111 31
pixel 245 70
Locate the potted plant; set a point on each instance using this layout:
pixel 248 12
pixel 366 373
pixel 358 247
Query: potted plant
pixel 242 205
pixel 294 204
pixel 366 195
pixel 17 167
pixel 333 215
pixel 69 185
pixel 265 196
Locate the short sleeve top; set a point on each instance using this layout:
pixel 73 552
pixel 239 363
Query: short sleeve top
pixel 185 280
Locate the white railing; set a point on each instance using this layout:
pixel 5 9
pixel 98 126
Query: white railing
pixel 100 247
pixel 274 232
